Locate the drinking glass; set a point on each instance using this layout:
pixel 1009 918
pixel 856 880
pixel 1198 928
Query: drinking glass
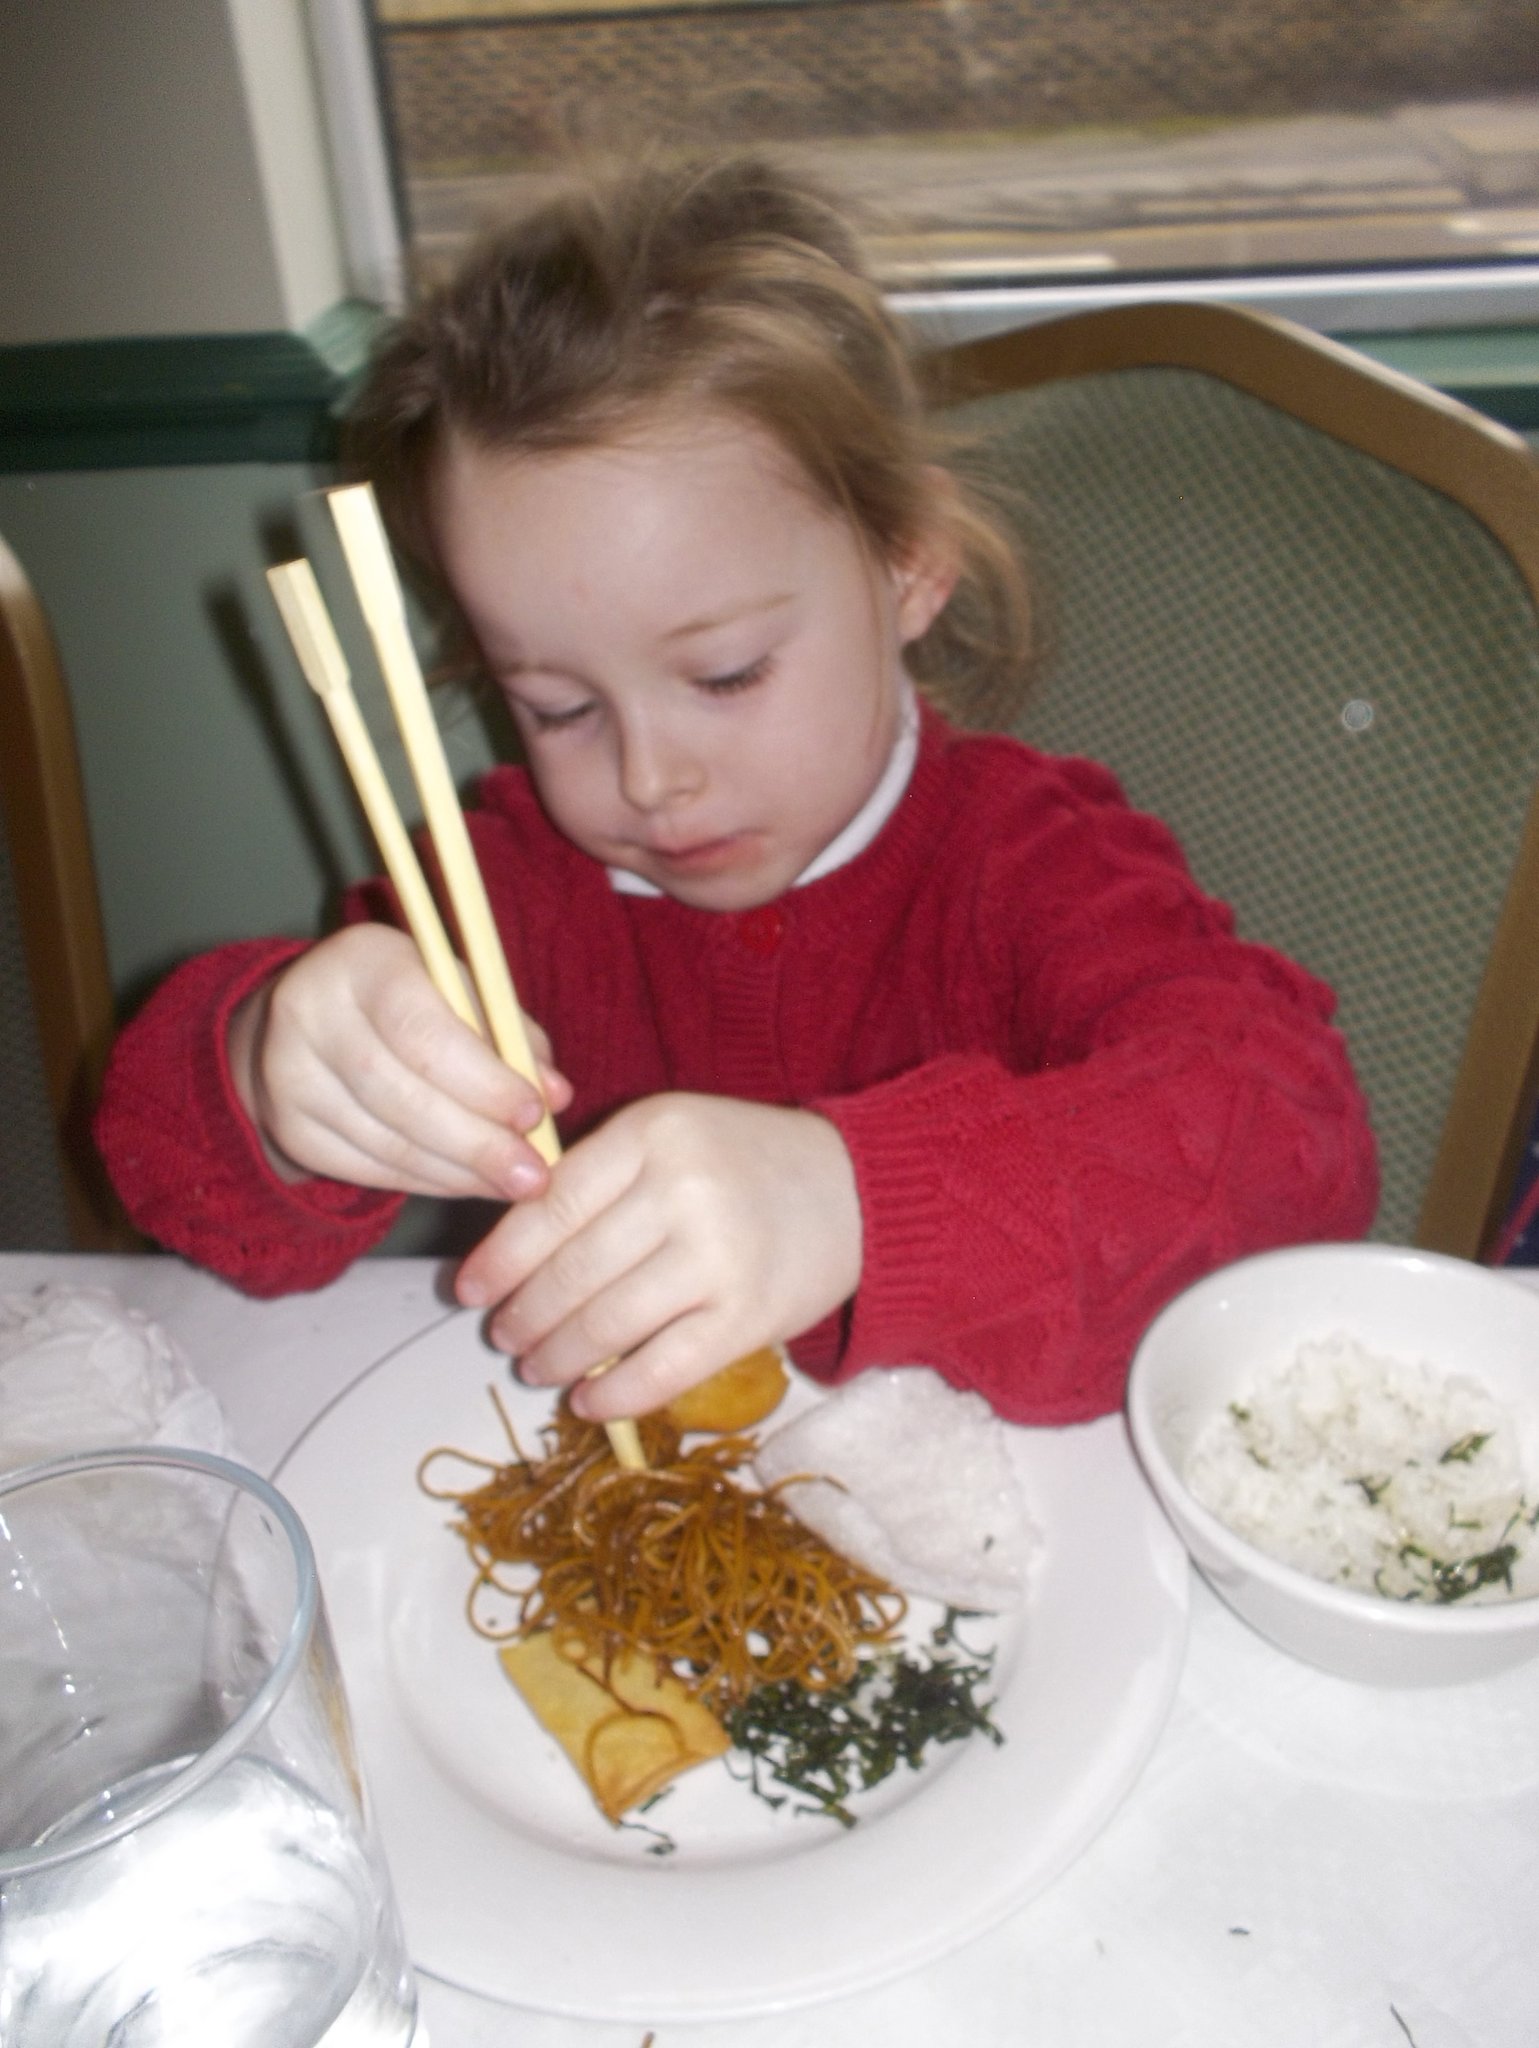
pixel 186 1854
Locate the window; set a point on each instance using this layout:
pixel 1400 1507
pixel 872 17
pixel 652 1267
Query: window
pixel 1358 163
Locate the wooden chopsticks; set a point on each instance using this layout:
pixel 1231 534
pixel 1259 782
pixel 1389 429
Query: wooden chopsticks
pixel 320 656
pixel 304 614
pixel 364 544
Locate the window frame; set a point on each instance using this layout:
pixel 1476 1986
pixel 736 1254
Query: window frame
pixel 1382 300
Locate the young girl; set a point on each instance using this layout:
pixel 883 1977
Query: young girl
pixel 892 1043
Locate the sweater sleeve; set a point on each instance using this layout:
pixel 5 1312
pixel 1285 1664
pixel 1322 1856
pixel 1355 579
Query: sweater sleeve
pixel 1174 1099
pixel 191 1171
pixel 185 1160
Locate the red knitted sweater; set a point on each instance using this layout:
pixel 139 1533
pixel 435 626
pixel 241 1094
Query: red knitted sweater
pixel 1067 1088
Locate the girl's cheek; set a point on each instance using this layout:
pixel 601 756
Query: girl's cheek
pixel 575 801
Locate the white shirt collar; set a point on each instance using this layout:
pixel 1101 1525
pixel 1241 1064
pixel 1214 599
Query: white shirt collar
pixel 858 834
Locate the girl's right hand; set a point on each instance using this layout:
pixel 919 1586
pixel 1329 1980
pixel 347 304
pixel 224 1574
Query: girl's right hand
pixel 350 1064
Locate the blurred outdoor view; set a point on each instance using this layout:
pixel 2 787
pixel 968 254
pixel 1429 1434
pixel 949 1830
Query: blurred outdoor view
pixel 1011 141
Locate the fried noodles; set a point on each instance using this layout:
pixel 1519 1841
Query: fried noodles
pixel 678 1562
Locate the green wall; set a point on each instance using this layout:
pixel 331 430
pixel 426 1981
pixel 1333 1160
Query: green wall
pixel 218 807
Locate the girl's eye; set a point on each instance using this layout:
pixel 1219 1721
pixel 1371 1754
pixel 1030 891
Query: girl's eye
pixel 554 721
pixel 737 679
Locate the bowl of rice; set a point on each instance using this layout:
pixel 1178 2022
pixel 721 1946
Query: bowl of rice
pixel 1346 1438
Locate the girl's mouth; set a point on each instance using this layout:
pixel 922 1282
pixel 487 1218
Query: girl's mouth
pixel 703 856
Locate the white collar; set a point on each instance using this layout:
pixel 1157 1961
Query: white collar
pixel 858 834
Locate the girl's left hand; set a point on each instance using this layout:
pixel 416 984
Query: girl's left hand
pixel 686 1231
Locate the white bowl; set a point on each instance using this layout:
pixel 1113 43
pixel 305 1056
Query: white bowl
pixel 1249 1319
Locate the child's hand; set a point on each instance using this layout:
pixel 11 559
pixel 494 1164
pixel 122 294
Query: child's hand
pixel 350 1064
pixel 686 1231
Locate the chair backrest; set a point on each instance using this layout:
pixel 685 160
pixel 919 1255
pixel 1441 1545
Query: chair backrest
pixel 1290 599
pixel 56 1007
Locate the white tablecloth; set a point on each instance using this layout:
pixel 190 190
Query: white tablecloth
pixel 1304 1863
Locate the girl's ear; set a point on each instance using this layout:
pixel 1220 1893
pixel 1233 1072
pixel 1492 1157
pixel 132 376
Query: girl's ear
pixel 925 571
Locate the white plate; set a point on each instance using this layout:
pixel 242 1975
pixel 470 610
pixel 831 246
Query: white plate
pixel 510 1882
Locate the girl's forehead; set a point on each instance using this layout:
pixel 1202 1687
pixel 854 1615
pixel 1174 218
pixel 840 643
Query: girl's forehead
pixel 679 452
pixel 648 534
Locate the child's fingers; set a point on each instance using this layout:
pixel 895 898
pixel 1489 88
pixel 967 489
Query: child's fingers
pixel 418 1121
pixel 365 1073
pixel 431 1042
pixel 686 1231
pixel 586 1184
pixel 677 1357
pixel 350 1157
pixel 554 1085
pixel 365 989
pixel 586 1306
pixel 419 1029
pixel 566 1320
pixel 380 1124
pixel 373 1154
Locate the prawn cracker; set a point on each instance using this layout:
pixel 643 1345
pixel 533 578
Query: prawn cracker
pixel 629 1732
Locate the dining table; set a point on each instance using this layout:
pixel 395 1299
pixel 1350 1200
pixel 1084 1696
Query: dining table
pixel 1301 1862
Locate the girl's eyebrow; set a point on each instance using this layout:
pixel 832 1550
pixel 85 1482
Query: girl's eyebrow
pixel 729 616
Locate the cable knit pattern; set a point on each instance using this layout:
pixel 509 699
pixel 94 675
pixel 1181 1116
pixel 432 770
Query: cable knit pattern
pixel 1067 1088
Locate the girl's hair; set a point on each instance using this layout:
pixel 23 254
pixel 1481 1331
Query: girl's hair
pixel 728 284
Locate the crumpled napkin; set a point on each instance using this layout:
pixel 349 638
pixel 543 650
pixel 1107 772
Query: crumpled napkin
pixel 79 1371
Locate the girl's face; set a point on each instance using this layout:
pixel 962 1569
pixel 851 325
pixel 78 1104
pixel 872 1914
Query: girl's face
pixel 703 663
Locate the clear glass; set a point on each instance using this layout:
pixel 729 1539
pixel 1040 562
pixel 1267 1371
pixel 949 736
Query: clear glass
pixel 186 1854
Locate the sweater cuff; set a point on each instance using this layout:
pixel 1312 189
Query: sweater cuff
pixel 186 1159
pixel 907 1212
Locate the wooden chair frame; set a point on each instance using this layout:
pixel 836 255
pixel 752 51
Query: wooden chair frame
pixel 43 807
pixel 1482 467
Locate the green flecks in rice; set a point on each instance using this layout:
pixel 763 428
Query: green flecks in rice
pixel 1371 1473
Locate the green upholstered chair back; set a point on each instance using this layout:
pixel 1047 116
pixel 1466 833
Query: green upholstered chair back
pixel 1321 670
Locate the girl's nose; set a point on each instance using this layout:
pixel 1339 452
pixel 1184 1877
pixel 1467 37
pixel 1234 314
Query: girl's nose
pixel 658 769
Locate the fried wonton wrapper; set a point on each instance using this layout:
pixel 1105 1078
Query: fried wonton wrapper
pixel 737 1397
pixel 628 1736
